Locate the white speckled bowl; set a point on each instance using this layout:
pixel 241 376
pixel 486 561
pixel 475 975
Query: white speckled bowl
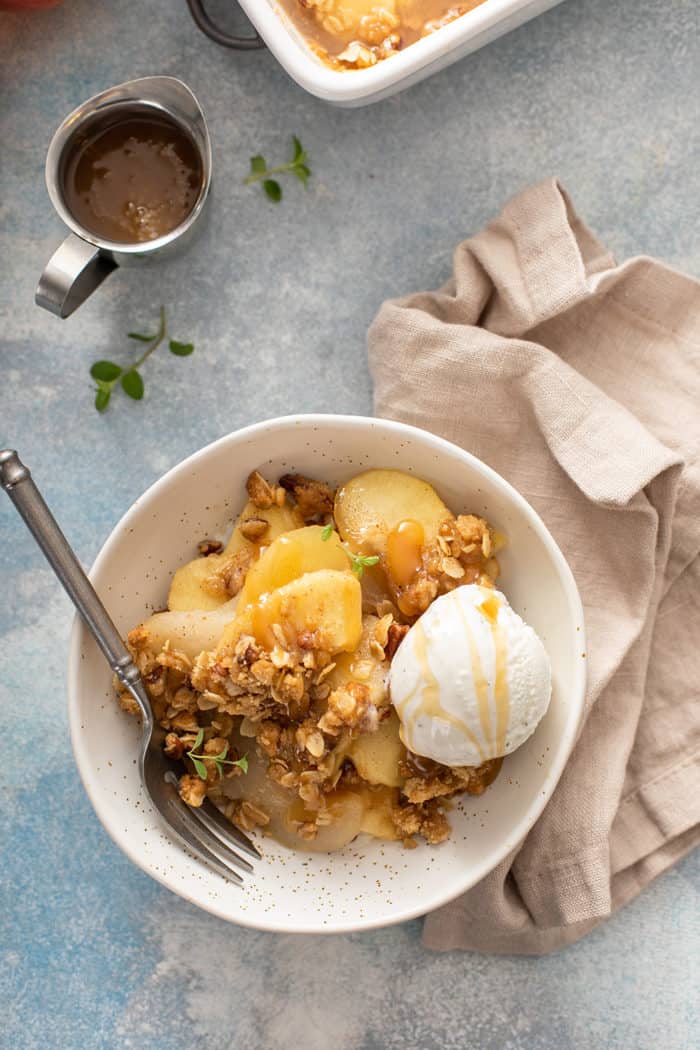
pixel 369 883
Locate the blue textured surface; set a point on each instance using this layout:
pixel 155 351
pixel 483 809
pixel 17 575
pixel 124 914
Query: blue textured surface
pixel 277 299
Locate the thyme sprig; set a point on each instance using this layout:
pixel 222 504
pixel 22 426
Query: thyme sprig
pixel 220 760
pixel 358 562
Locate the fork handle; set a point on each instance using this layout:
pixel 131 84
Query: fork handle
pixel 19 485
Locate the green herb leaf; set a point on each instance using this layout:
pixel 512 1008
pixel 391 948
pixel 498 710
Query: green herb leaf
pixel 180 349
pixel 219 760
pixel 273 190
pixel 359 562
pixel 102 398
pixel 297 166
pixel 132 384
pixel 200 767
pixel 327 531
pixel 105 371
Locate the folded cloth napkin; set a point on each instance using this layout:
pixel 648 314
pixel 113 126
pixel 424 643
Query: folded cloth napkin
pixel 579 381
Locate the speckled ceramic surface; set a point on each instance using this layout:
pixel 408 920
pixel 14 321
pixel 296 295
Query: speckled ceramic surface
pixel 369 883
pixel 93 952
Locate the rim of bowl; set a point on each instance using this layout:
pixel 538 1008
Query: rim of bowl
pixel 576 698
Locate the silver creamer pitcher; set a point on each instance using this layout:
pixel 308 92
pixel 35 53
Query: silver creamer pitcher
pixel 84 259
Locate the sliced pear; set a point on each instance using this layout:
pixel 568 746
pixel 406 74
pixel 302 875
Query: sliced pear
pixel 376 819
pixel 363 666
pixel 375 588
pixel 291 556
pixel 320 610
pixel 376 756
pixel 286 810
pixel 373 505
pixel 323 607
pixel 192 631
pixel 189 589
pixel 347 812
pixel 280 520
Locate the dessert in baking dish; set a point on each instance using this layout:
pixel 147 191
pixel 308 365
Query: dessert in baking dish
pixel 355 34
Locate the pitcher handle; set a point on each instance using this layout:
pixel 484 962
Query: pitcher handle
pixel 72 273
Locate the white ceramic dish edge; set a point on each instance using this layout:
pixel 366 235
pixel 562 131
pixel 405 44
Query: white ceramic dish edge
pixel 93 775
pixel 359 87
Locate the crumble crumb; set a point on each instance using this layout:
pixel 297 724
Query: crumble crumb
pixel 259 491
pixel 207 547
pixel 314 498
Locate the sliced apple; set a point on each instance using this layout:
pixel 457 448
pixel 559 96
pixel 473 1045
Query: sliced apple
pixel 189 589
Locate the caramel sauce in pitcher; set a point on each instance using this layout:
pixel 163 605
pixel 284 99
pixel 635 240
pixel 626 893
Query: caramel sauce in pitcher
pixel 132 176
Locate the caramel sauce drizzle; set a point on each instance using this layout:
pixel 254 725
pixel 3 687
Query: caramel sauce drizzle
pixel 489 610
pixel 404 547
pixel 481 685
pixel 429 698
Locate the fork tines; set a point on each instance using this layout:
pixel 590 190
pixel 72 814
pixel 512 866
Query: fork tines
pixel 205 832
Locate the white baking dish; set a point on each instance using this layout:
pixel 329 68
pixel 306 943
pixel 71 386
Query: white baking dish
pixel 359 87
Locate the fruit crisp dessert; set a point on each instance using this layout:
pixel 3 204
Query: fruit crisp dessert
pixel 344 664
pixel 356 34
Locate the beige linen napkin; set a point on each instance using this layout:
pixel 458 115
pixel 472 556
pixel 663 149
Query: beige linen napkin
pixel 579 381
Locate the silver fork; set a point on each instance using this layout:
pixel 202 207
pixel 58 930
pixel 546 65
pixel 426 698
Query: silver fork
pixel 203 830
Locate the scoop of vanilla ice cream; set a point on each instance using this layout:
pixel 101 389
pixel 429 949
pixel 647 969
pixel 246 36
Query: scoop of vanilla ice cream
pixel 471 680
